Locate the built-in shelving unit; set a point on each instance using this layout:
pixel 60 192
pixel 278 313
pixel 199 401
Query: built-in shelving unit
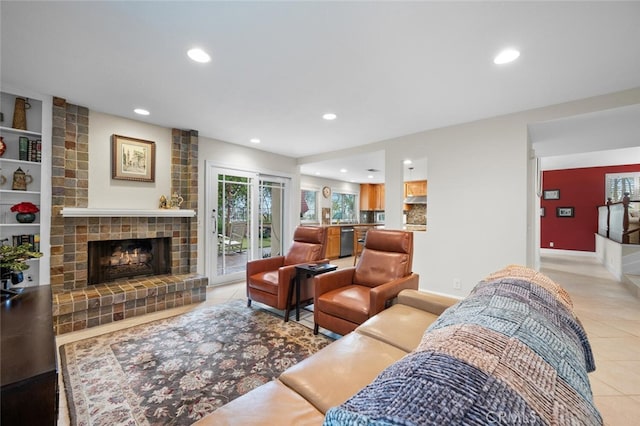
pixel 36 164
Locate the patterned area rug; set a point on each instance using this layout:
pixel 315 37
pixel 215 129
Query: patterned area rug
pixel 177 370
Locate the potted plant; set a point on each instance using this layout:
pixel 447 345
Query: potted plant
pixel 25 211
pixel 13 261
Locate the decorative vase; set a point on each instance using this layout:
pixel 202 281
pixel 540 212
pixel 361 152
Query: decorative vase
pixel 17 277
pixel 25 217
pixel 3 146
pixel 20 114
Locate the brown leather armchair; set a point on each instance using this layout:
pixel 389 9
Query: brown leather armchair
pixel 268 280
pixel 347 297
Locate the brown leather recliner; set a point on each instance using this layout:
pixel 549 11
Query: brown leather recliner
pixel 268 280
pixel 347 297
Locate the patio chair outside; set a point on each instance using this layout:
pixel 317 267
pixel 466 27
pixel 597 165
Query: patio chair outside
pixel 233 242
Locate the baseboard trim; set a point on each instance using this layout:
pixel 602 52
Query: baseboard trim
pixel 568 252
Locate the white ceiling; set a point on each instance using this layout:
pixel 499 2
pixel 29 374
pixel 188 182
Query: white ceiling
pixel 385 68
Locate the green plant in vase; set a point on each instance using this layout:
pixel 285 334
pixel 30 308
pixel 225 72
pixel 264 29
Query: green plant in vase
pixel 13 260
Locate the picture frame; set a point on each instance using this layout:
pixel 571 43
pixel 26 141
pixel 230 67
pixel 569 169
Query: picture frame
pixel 565 212
pixel 551 194
pixel 133 159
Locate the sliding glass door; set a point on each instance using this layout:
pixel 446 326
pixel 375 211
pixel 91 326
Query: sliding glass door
pixel 271 216
pixel 246 221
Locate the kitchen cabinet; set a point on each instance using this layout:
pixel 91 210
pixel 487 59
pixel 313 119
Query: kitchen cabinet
pixel 372 196
pixel 415 187
pixel 25 176
pixel 333 242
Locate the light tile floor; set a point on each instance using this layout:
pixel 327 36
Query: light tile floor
pixel 610 315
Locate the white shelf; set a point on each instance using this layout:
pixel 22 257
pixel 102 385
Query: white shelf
pixel 96 212
pixel 19 131
pixel 11 191
pixel 21 162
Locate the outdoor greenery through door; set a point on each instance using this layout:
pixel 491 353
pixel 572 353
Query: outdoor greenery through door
pixel 248 217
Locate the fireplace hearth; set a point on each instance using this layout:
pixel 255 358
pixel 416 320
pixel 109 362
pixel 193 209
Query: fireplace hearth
pixel 110 260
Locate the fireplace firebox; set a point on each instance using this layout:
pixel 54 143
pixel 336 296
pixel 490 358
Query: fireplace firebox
pixel 110 260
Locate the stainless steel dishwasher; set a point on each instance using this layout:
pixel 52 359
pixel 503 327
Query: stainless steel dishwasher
pixel 346 241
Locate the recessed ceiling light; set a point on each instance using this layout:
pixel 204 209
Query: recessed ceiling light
pixel 199 55
pixel 329 116
pixel 343 170
pixel 407 161
pixel 141 111
pixel 370 176
pixel 317 173
pixel 254 140
pixel 506 56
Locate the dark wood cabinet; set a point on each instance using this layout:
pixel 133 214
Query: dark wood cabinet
pixel 29 371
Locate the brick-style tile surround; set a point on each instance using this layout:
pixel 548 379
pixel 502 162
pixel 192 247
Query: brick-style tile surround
pixel 184 180
pixel 102 304
pixel 70 236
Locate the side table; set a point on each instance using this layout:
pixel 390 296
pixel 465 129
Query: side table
pixel 304 271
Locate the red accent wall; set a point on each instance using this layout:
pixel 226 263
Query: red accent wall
pixel 583 189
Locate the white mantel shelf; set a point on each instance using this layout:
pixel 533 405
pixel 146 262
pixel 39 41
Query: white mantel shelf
pixel 91 212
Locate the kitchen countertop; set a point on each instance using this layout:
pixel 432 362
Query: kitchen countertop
pixel 345 224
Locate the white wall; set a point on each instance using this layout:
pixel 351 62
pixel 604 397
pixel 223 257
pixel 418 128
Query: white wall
pixel 105 192
pixel 476 214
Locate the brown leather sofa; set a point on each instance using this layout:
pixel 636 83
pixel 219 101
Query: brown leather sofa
pixel 303 393
pixel 268 280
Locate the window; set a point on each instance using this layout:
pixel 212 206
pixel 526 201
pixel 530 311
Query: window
pixel 619 183
pixel 309 206
pixel 343 207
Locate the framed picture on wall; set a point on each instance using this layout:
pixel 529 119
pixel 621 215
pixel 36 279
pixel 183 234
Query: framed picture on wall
pixel 564 211
pixel 133 159
pixel 551 194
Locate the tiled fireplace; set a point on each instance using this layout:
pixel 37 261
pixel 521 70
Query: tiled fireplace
pixel 79 304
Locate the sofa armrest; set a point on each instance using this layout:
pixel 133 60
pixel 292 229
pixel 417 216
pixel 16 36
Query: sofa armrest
pixel 379 295
pixel 426 301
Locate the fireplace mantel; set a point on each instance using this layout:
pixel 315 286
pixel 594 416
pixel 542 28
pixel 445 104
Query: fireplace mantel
pixel 97 212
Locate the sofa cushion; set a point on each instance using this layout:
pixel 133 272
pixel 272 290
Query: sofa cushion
pixel 426 301
pixel 270 404
pixel 400 325
pixel 339 370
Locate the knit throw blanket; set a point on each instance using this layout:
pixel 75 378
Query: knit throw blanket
pixel 513 352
